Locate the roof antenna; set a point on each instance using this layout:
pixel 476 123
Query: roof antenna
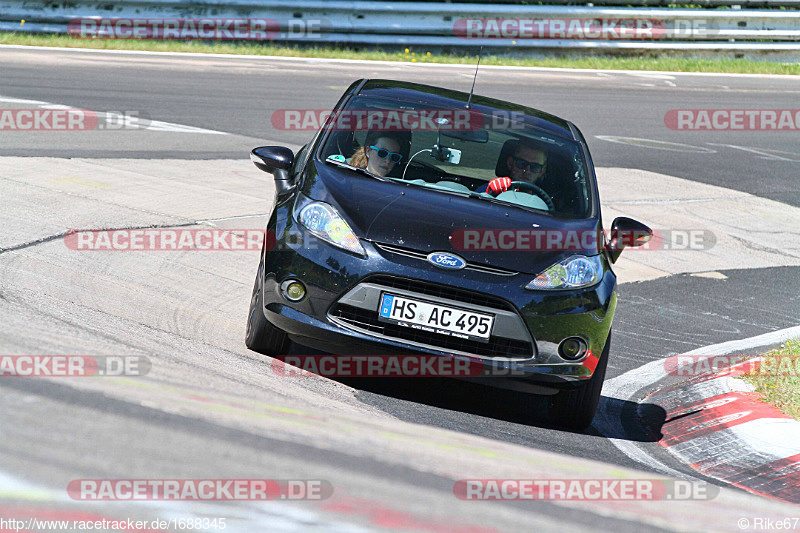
pixel 480 54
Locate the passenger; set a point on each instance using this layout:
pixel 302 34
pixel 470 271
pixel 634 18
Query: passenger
pixel 527 163
pixel 380 153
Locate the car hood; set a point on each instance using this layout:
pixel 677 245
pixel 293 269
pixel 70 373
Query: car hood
pixel 426 220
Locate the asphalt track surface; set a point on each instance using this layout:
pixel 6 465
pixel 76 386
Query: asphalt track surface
pixel 240 95
pixel 201 417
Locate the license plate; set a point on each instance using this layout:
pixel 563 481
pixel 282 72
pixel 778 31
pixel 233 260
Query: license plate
pixel 435 318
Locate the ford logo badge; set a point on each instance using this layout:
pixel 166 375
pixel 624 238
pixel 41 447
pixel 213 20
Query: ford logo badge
pixel 447 261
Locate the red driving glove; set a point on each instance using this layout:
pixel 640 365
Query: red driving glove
pixel 499 185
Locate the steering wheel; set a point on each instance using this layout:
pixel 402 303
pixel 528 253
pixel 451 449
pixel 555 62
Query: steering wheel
pixel 530 188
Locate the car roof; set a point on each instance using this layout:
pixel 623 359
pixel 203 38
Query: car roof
pixel 441 97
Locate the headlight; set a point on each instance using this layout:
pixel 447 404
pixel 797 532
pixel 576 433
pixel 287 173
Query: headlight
pixel 323 221
pixel 571 273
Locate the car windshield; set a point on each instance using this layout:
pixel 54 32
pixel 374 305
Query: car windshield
pixel 455 150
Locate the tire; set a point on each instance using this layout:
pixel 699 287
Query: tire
pixel 575 408
pixel 261 336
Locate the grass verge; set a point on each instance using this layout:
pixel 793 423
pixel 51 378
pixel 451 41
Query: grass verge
pixel 778 380
pixel 659 62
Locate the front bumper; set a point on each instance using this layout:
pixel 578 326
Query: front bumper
pixel 337 314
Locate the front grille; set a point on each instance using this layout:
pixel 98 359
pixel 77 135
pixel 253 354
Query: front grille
pixel 441 291
pixel 368 321
pixel 423 256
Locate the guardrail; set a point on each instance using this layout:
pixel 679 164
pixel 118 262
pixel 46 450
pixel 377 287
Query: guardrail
pixel 445 25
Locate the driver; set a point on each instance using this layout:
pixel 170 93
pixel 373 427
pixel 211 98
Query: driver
pixel 527 163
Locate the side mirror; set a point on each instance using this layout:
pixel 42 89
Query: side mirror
pixel 626 232
pixel 277 160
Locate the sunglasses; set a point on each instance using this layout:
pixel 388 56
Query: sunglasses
pixel 521 164
pixel 383 153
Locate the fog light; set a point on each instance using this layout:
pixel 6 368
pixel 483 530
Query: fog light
pixel 293 290
pixel 572 348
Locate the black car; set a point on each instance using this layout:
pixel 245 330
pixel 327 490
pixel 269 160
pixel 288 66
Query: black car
pixel 386 220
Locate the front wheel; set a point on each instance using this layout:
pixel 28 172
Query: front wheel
pixel 263 337
pixel 575 408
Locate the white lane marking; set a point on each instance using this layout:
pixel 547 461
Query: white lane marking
pixel 608 420
pixel 712 275
pixel 11 100
pixel 399 63
pixel 656 76
pixel 769 439
pixel 11 487
pixel 245 516
pixel 655 144
pixel 714 387
pixel 119 120
pixel 763 153
pixel 154 125
pixel 625 387
pixel 768 154
pixel 773 337
pixel 645 202
pixel 779 437
pixel 739 385
pixel 237 217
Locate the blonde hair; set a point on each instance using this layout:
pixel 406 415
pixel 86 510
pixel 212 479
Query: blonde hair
pixel 359 158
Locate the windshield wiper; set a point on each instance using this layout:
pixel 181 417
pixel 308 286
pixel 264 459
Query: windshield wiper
pixel 480 196
pixel 360 170
pixel 494 200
